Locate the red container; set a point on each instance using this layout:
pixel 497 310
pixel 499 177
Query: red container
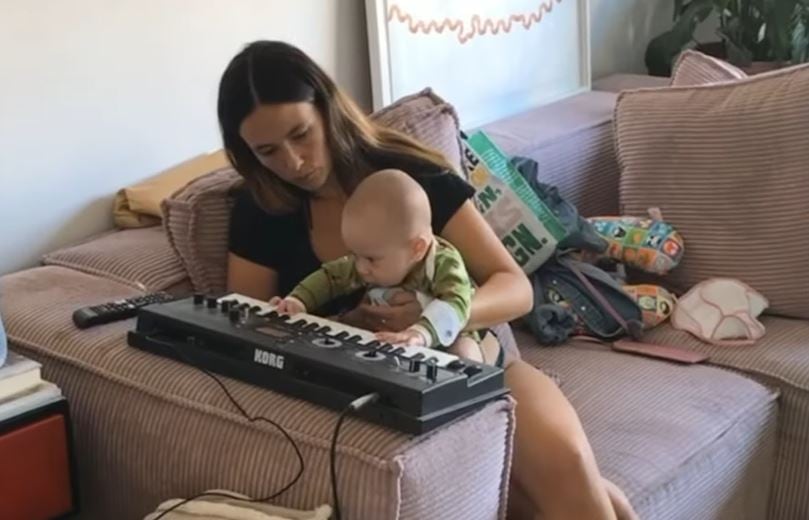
pixel 36 465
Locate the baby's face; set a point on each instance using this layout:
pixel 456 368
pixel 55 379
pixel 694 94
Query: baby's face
pixel 381 260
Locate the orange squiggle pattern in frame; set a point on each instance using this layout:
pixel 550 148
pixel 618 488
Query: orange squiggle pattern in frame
pixel 478 26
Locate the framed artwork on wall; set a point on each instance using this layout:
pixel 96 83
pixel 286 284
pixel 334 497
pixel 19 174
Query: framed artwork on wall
pixel 490 59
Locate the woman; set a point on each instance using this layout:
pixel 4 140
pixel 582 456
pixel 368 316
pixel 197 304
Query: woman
pixel 302 146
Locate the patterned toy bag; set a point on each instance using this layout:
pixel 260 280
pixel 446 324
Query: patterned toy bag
pixel 649 244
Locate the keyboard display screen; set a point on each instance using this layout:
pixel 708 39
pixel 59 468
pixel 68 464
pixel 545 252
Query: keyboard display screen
pixel 272 331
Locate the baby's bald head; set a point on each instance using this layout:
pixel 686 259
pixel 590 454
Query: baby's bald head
pixel 392 202
pixel 387 226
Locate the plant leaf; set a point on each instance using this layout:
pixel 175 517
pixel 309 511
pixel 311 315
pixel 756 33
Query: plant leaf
pixel 662 49
pixel 737 53
pixel 800 42
pixel 678 8
pixel 780 20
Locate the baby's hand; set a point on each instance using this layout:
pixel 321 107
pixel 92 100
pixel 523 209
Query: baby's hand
pixel 287 305
pixel 407 337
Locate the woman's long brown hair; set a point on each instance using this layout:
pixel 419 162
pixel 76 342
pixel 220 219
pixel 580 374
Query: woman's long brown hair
pixel 267 72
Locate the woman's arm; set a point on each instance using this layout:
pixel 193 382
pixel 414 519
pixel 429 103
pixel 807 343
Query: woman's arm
pixel 251 279
pixel 504 292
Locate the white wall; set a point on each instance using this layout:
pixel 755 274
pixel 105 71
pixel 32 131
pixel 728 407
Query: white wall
pixel 96 94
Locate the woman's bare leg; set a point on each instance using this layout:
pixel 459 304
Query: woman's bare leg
pixel 620 503
pixel 553 463
pixel 520 506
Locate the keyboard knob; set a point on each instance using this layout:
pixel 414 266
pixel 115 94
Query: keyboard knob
pixel 199 299
pixel 234 315
pixel 432 371
pixel 472 371
pixel 225 306
pixel 211 302
pixel 415 366
pixel 456 365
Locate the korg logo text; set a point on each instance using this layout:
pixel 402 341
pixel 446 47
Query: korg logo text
pixel 268 358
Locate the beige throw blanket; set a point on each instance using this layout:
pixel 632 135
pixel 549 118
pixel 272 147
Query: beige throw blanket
pixel 221 508
pixel 138 205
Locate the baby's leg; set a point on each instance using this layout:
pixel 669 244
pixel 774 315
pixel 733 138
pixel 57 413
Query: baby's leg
pixel 468 348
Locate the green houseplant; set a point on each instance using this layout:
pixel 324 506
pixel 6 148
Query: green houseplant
pixel 749 31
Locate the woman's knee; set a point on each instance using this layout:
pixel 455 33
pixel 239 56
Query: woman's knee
pixel 567 454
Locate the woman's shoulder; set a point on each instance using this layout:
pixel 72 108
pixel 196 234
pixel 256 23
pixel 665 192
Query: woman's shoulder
pixel 442 181
pixel 447 192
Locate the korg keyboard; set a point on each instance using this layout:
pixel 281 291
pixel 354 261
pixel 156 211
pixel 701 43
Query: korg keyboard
pixel 318 360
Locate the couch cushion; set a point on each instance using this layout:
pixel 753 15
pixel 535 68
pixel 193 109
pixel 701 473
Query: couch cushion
pixel 148 428
pixel 140 258
pixel 619 82
pixel 695 68
pixel 684 442
pixel 780 359
pixel 727 165
pixel 427 118
pixel 196 222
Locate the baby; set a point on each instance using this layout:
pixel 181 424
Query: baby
pixel 386 225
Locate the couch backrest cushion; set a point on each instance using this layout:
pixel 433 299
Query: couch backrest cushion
pixel 572 142
pixel 139 258
pixel 695 68
pixel 427 118
pixel 196 217
pixel 728 165
pixel 196 220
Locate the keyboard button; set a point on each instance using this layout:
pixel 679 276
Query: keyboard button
pixel 456 365
pixel 472 371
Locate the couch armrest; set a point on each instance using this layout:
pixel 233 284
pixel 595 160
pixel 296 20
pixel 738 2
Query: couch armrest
pixel 148 428
pixel 572 141
pixel 140 258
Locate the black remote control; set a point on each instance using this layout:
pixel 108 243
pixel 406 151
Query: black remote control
pixel 117 310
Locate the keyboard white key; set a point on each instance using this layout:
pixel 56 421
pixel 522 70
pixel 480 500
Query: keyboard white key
pixel 442 358
pixel 336 328
pixel 240 299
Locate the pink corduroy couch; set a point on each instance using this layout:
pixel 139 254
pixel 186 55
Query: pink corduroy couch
pixel 722 441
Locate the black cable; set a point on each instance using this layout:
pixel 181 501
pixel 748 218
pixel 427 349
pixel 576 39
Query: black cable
pixel 250 419
pixel 356 404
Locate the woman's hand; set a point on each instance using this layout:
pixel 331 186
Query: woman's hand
pixel 402 311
